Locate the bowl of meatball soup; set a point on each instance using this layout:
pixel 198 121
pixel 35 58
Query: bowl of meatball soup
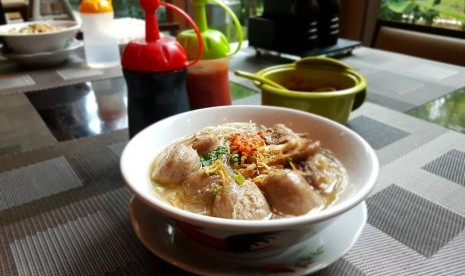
pixel 249 179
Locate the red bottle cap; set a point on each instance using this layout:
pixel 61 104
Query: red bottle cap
pixel 156 54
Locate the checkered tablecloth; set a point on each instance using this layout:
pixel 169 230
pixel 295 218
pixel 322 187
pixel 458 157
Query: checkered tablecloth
pixel 63 205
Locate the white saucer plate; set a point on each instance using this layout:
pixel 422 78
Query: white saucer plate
pixel 316 253
pixel 45 58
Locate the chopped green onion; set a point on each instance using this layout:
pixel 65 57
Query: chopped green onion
pixel 217 190
pixel 209 158
pixel 239 178
pixel 234 158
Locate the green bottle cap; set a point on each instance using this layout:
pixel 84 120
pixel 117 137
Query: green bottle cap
pixel 215 43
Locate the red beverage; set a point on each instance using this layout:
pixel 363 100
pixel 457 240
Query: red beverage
pixel 208 83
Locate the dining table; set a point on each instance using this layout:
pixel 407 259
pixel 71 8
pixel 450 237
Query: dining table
pixel 64 202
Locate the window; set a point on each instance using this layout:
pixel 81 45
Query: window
pixel 446 14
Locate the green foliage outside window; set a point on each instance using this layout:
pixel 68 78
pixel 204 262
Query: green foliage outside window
pixel 440 13
pixel 127 8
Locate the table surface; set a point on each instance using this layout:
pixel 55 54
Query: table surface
pixel 64 205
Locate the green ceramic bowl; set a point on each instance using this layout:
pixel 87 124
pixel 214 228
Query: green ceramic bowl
pixel 305 77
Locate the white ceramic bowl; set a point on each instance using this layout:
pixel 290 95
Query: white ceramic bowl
pixel 38 42
pixel 355 154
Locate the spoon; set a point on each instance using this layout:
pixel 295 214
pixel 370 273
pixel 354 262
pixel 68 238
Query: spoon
pixel 254 77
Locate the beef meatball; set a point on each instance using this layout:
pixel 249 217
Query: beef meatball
pixel 289 193
pixel 199 187
pixel 205 143
pixel 178 163
pixel 241 201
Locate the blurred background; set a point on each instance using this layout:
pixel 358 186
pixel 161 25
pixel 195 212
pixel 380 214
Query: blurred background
pixel 433 29
pixel 358 17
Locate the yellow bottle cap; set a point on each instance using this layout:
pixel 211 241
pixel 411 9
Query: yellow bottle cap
pixel 95 6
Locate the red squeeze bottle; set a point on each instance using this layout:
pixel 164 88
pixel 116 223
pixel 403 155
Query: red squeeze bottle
pixel 155 70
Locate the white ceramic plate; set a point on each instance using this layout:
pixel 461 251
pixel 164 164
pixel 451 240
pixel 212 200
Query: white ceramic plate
pixel 46 58
pixel 312 255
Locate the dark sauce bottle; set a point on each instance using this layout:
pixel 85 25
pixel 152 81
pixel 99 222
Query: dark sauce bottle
pixel 155 71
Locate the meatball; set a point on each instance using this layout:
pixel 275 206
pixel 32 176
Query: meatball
pixel 205 143
pixel 244 201
pixel 290 194
pixel 179 163
pixel 199 187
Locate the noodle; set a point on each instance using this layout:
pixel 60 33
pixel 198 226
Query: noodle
pixel 36 28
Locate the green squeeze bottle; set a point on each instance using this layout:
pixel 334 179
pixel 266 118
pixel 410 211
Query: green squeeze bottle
pixel 207 81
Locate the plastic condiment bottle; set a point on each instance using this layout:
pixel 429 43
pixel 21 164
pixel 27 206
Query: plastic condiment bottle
pixel 100 44
pixel 155 70
pixel 208 81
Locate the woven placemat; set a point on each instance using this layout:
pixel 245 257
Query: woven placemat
pixel 63 205
pixel 59 204
pixel 63 211
pixel 75 70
